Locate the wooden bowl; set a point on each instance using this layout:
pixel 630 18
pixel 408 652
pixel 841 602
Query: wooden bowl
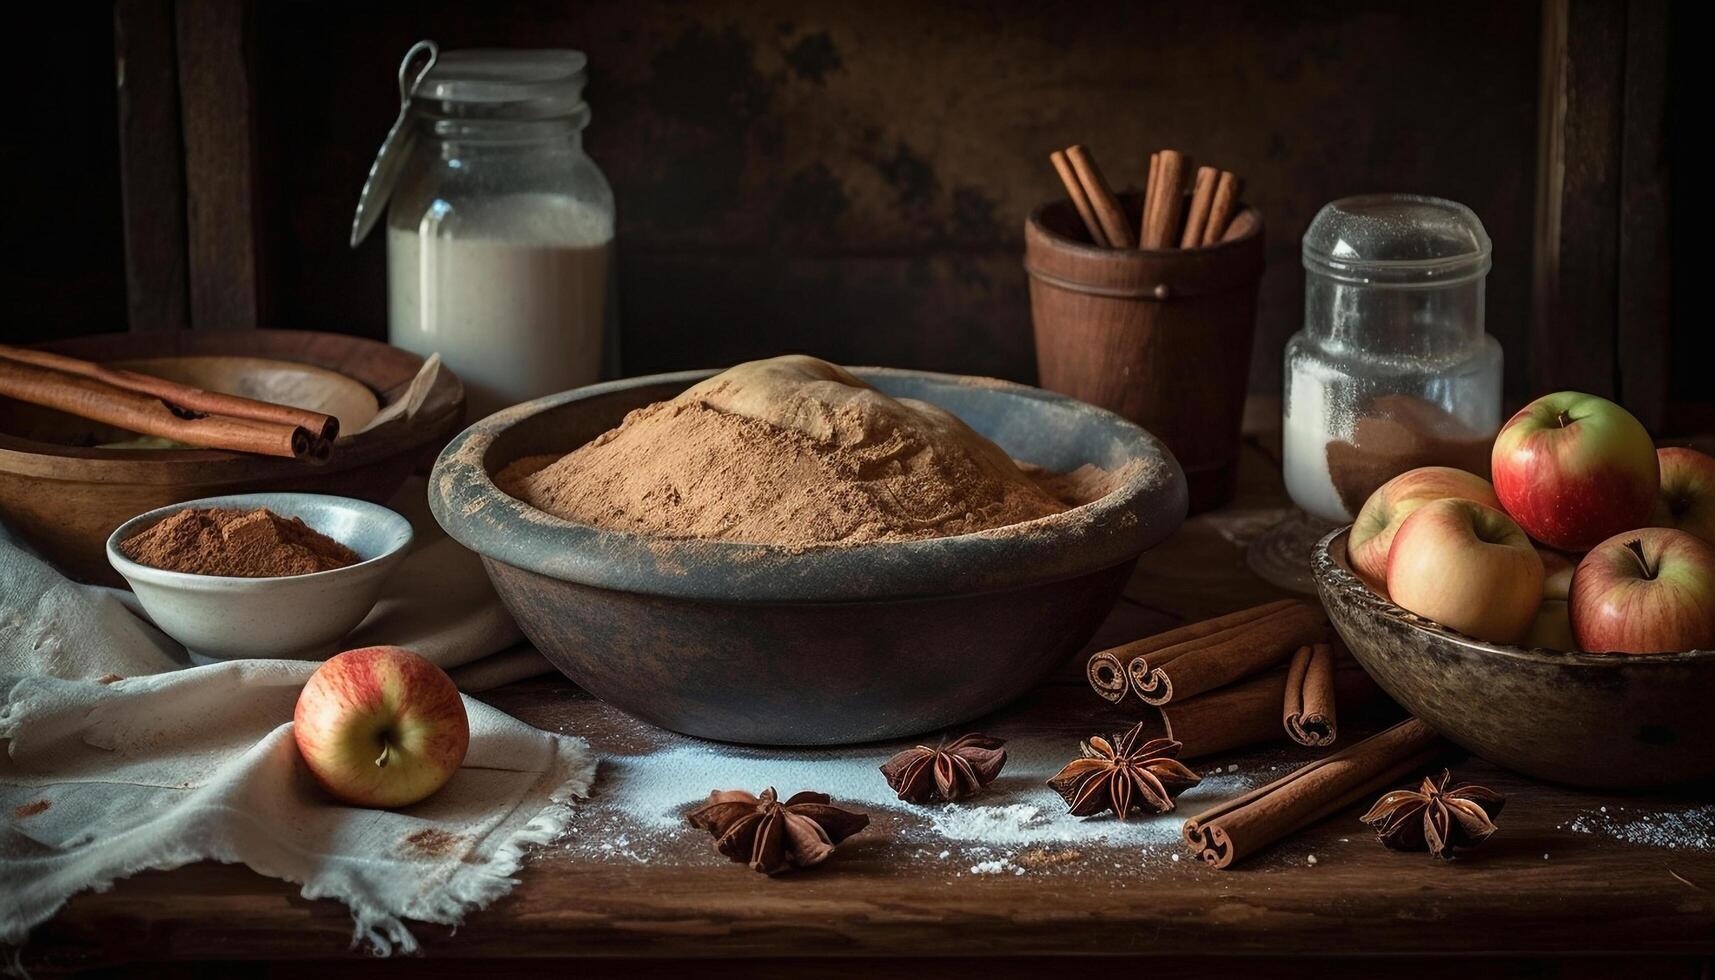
pixel 66 483
pixel 1604 721
pixel 752 643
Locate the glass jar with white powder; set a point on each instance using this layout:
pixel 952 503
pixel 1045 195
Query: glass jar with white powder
pixel 499 226
pixel 1393 369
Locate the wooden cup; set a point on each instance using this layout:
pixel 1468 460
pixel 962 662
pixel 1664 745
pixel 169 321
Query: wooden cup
pixel 1159 336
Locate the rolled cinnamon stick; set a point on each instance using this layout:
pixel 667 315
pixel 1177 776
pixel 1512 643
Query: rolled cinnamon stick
pixel 1213 661
pixel 1241 827
pixel 145 414
pixel 1102 200
pixel 1170 200
pixel 1221 209
pixel 1248 713
pixel 1242 225
pixel 1308 709
pixel 183 396
pixel 1199 629
pixel 1080 200
pixel 1107 675
pixel 1202 196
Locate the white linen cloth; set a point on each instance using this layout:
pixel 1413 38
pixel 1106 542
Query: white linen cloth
pixel 120 758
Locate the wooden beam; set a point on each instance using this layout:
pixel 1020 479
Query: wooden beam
pixel 217 102
pixel 151 164
pixel 1645 281
pixel 1575 287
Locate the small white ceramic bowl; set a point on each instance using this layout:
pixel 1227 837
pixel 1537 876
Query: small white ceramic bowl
pixel 220 617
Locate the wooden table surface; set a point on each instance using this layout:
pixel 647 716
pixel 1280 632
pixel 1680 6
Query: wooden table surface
pixel 1555 887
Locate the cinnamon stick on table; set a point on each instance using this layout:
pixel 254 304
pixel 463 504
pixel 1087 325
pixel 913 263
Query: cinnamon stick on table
pixel 1107 668
pixel 1190 668
pixel 91 399
pixel 1307 711
pixel 1102 200
pixel 1080 200
pixel 1248 713
pixel 184 396
pixel 1241 827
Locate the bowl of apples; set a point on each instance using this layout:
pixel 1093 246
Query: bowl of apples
pixel 1559 621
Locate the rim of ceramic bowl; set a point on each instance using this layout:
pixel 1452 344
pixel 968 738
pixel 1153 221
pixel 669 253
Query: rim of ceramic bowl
pixel 1133 517
pixel 164 576
pixel 1334 575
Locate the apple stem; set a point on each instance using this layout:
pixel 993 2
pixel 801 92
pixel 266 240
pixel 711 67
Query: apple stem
pixel 1636 547
pixel 1563 420
pixel 386 753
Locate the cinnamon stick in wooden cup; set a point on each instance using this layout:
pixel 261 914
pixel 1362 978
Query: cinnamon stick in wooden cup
pixel 148 415
pixel 1221 208
pixel 1239 828
pixel 1196 666
pixel 180 395
pixel 1244 224
pixel 1080 200
pixel 1202 196
pixel 1102 200
pixel 1307 712
pixel 1164 219
pixel 1151 187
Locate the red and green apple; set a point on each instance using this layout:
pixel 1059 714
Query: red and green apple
pixel 1687 492
pixel 1646 591
pixel 1468 567
pixel 1574 469
pixel 1379 520
pixel 381 727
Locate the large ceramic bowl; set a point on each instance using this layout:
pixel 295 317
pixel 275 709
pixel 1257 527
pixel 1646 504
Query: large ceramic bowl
pixel 1606 721
pixel 749 643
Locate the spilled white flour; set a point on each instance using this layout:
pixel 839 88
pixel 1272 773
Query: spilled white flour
pixel 1692 829
pixel 1018 826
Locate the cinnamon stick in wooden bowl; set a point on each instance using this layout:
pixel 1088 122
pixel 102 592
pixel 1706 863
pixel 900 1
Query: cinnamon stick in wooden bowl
pixel 66 483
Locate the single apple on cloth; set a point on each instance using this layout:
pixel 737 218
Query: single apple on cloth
pixel 106 780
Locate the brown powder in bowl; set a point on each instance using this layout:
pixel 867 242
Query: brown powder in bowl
pixel 791 451
pixel 244 543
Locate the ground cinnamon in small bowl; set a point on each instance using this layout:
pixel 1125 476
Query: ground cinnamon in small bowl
pixel 254 543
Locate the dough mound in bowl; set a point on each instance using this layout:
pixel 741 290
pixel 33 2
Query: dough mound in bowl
pixel 792 451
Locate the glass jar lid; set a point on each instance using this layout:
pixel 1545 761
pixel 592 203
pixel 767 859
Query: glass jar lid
pixel 548 81
pixel 1397 241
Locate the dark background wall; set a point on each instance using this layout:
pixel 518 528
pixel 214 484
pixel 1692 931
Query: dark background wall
pixel 844 178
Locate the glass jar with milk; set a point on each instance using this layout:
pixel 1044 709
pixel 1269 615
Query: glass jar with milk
pixel 499 226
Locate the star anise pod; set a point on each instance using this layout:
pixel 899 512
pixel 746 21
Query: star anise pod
pixel 771 836
pixel 947 772
pixel 1126 776
pixel 1435 818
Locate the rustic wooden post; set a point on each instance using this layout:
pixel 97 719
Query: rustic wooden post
pixel 1599 310
pixel 151 165
pixel 222 217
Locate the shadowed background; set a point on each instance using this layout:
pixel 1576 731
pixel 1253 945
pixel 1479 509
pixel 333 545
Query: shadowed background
pixel 844 179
